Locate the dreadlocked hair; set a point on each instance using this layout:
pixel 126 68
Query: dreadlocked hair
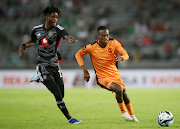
pixel 48 10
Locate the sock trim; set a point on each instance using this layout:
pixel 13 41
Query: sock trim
pixel 59 102
pixel 70 119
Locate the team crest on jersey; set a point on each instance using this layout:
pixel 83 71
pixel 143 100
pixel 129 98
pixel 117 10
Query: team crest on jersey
pixel 50 33
pixel 84 48
pixel 110 50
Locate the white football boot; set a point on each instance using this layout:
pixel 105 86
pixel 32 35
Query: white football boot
pixel 35 79
pixel 134 118
pixel 126 116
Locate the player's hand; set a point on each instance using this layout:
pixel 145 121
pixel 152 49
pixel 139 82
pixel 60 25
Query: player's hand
pixel 118 58
pixel 72 40
pixel 86 76
pixel 20 49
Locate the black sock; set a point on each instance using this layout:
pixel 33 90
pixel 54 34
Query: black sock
pixel 63 108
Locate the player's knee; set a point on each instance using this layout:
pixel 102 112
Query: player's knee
pixel 116 88
pixel 53 88
pixel 119 90
pixel 58 97
pixel 62 96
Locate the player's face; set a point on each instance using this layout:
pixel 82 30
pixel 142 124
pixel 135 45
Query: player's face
pixel 103 36
pixel 52 19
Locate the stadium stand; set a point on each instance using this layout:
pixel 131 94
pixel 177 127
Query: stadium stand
pixel 148 29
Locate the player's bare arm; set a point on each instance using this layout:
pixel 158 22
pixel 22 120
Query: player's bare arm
pixel 70 39
pixel 86 73
pixel 26 45
pixel 118 58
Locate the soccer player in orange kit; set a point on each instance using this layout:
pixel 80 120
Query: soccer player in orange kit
pixel 103 53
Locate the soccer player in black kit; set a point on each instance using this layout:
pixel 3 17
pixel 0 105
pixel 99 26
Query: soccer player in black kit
pixel 48 36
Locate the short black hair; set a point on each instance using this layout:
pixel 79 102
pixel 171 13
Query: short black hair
pixel 101 28
pixel 48 10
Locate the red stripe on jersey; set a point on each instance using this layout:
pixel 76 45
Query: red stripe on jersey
pixel 58 43
pixel 45 45
pixel 60 60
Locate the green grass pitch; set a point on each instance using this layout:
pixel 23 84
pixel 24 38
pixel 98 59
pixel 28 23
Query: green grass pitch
pixel 97 108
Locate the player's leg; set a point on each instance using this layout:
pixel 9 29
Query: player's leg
pixel 54 89
pixel 127 102
pixel 60 84
pixel 59 81
pixel 129 106
pixel 49 82
pixel 119 97
pixel 118 90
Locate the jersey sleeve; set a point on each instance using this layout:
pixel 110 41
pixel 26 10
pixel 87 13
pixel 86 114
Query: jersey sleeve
pixel 33 36
pixel 64 33
pixel 121 51
pixel 83 51
pixel 61 31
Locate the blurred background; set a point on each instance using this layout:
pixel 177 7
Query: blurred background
pixel 149 30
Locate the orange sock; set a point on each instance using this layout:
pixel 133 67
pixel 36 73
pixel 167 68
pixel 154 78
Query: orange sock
pixel 122 107
pixel 129 108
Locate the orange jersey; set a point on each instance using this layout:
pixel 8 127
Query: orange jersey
pixel 103 59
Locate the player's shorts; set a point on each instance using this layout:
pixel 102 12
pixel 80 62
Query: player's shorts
pixel 106 82
pixel 49 73
pixel 44 72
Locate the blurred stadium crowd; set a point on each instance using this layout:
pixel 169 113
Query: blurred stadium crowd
pixel 149 30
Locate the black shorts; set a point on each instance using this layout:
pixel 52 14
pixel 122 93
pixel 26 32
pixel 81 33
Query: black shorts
pixel 44 72
pixel 52 79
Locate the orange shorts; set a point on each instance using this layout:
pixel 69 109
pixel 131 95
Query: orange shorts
pixel 106 82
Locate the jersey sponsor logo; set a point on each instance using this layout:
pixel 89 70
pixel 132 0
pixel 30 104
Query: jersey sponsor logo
pixel 45 43
pixel 84 48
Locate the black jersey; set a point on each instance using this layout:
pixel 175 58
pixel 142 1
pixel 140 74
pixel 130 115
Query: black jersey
pixel 48 42
pixel 59 56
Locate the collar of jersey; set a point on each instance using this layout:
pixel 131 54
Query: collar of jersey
pixel 100 45
pixel 47 29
